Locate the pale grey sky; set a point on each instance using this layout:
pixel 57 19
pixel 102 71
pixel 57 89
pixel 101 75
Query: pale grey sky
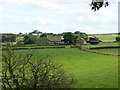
pixel 57 16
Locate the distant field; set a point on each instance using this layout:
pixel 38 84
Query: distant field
pixel 107 37
pixel 90 69
pixel 112 51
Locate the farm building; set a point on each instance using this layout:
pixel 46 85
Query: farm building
pixel 50 40
pixel 81 41
pixel 94 40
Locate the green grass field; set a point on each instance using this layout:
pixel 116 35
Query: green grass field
pixel 111 51
pixel 91 70
pixel 106 37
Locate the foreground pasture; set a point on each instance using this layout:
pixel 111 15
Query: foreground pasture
pixel 90 69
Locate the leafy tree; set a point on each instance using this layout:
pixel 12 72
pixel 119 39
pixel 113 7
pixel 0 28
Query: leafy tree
pixel 97 4
pixel 29 39
pixel 43 35
pixel 81 35
pixel 20 33
pixel 77 32
pixel 36 31
pixel 69 38
pixel 26 71
pixel 84 35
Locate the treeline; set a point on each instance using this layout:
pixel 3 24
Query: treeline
pixel 66 37
pixel 8 37
pixel 30 38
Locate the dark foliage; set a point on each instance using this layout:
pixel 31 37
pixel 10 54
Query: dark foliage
pixel 69 38
pixel 97 4
pixel 8 37
pixel 43 35
pixel 29 39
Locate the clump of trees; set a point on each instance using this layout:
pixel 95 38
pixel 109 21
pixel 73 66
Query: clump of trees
pixel 29 39
pixel 81 35
pixel 8 37
pixel 25 70
pixel 71 38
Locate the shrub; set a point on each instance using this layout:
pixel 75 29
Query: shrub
pixel 27 71
pixel 118 38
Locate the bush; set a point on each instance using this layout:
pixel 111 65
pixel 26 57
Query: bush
pixel 29 39
pixel 118 38
pixel 27 71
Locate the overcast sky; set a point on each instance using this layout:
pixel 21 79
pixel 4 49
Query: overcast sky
pixel 57 16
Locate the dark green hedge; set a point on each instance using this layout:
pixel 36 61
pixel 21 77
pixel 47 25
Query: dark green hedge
pixel 40 47
pixel 105 47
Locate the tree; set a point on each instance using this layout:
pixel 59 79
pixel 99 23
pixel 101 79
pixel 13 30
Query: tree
pixel 77 32
pixel 25 70
pixel 81 35
pixel 84 36
pixel 69 38
pixel 43 35
pixel 29 39
pixel 97 4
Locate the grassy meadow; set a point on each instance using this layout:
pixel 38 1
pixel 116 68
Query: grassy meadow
pixel 112 51
pixel 106 37
pixel 103 44
pixel 91 70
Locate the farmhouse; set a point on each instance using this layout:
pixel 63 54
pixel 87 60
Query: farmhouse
pixel 50 40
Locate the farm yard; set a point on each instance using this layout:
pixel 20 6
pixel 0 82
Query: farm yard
pixel 91 70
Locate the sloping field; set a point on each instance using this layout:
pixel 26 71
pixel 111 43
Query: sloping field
pixel 106 37
pixel 91 70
